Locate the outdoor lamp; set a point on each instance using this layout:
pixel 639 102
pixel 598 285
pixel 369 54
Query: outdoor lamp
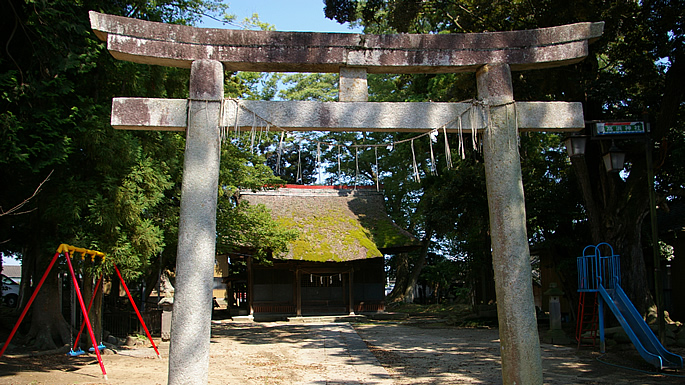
pixel 614 159
pixel 575 145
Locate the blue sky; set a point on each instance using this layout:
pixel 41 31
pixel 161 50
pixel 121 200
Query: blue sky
pixel 9 260
pixel 286 15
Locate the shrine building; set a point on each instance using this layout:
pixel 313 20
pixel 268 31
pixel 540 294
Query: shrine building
pixel 335 266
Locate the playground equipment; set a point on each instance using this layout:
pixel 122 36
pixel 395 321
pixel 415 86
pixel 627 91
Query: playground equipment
pixel 75 349
pixel 601 274
pixel 78 351
pixel 62 249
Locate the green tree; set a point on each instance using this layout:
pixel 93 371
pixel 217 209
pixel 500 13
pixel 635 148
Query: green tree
pixel 319 87
pixel 107 188
pixel 294 158
pixel 241 226
pixel 636 67
pixel 441 275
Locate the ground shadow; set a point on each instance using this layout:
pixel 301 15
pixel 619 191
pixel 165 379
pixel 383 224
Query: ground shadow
pixel 11 365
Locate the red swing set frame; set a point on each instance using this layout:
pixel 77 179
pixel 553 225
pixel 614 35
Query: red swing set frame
pixel 66 249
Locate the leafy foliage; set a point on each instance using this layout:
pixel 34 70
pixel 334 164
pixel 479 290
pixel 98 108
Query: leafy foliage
pixel 56 117
pixel 247 227
pixel 113 191
pixel 319 87
pixel 630 71
pixel 240 226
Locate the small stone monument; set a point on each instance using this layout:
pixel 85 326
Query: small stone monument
pixel 556 334
pixel 167 305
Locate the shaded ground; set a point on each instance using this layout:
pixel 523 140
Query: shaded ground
pixel 435 354
pixel 422 351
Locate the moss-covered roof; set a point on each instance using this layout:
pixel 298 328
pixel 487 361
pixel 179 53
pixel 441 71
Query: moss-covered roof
pixel 334 224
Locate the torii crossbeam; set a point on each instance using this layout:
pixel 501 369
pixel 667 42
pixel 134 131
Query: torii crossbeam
pixel 209 52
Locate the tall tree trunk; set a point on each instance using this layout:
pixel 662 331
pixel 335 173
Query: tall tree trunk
pixel 593 213
pixel 402 273
pixel 96 316
pixel 482 279
pixel 49 329
pixel 408 295
pixel 115 287
pixel 28 266
pixel 405 280
pixel 616 208
pixel 152 278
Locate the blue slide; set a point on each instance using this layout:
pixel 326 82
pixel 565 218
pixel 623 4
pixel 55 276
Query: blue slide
pixel 640 334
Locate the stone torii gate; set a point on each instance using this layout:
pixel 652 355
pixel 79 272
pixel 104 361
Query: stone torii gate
pixel 210 52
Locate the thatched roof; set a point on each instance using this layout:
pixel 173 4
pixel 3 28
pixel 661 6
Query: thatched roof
pixel 334 224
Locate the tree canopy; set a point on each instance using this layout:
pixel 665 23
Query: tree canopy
pixel 112 191
pixel 633 71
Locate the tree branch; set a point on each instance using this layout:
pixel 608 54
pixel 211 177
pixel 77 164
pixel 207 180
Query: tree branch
pixel 15 210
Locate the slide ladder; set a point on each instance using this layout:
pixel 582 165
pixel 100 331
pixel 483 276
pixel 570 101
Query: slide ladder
pixel 587 324
pixel 598 273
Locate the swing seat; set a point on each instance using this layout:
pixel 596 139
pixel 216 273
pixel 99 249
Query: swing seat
pixel 101 347
pixel 75 353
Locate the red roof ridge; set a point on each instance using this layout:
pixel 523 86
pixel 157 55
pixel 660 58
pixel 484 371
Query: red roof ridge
pixel 327 187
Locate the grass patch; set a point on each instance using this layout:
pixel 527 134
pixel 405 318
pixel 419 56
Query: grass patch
pixel 475 323
pixel 431 310
pixel 443 315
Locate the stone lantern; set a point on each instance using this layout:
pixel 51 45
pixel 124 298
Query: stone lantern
pixel 555 335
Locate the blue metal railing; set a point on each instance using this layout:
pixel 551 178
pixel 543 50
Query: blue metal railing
pixel 596 269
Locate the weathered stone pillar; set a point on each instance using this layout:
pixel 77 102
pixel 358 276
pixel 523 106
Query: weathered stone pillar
pixel 191 319
pixel 519 341
pixel 353 86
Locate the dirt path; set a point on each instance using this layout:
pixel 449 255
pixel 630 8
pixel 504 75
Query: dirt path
pixel 240 353
pixel 278 353
pixel 423 354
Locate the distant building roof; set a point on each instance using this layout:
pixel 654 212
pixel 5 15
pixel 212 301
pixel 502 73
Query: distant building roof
pixel 12 271
pixel 334 223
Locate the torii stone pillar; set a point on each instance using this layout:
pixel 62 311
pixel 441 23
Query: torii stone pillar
pixel 191 319
pixel 492 55
pixel 510 253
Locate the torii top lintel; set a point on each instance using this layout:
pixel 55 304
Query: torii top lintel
pixel 239 50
